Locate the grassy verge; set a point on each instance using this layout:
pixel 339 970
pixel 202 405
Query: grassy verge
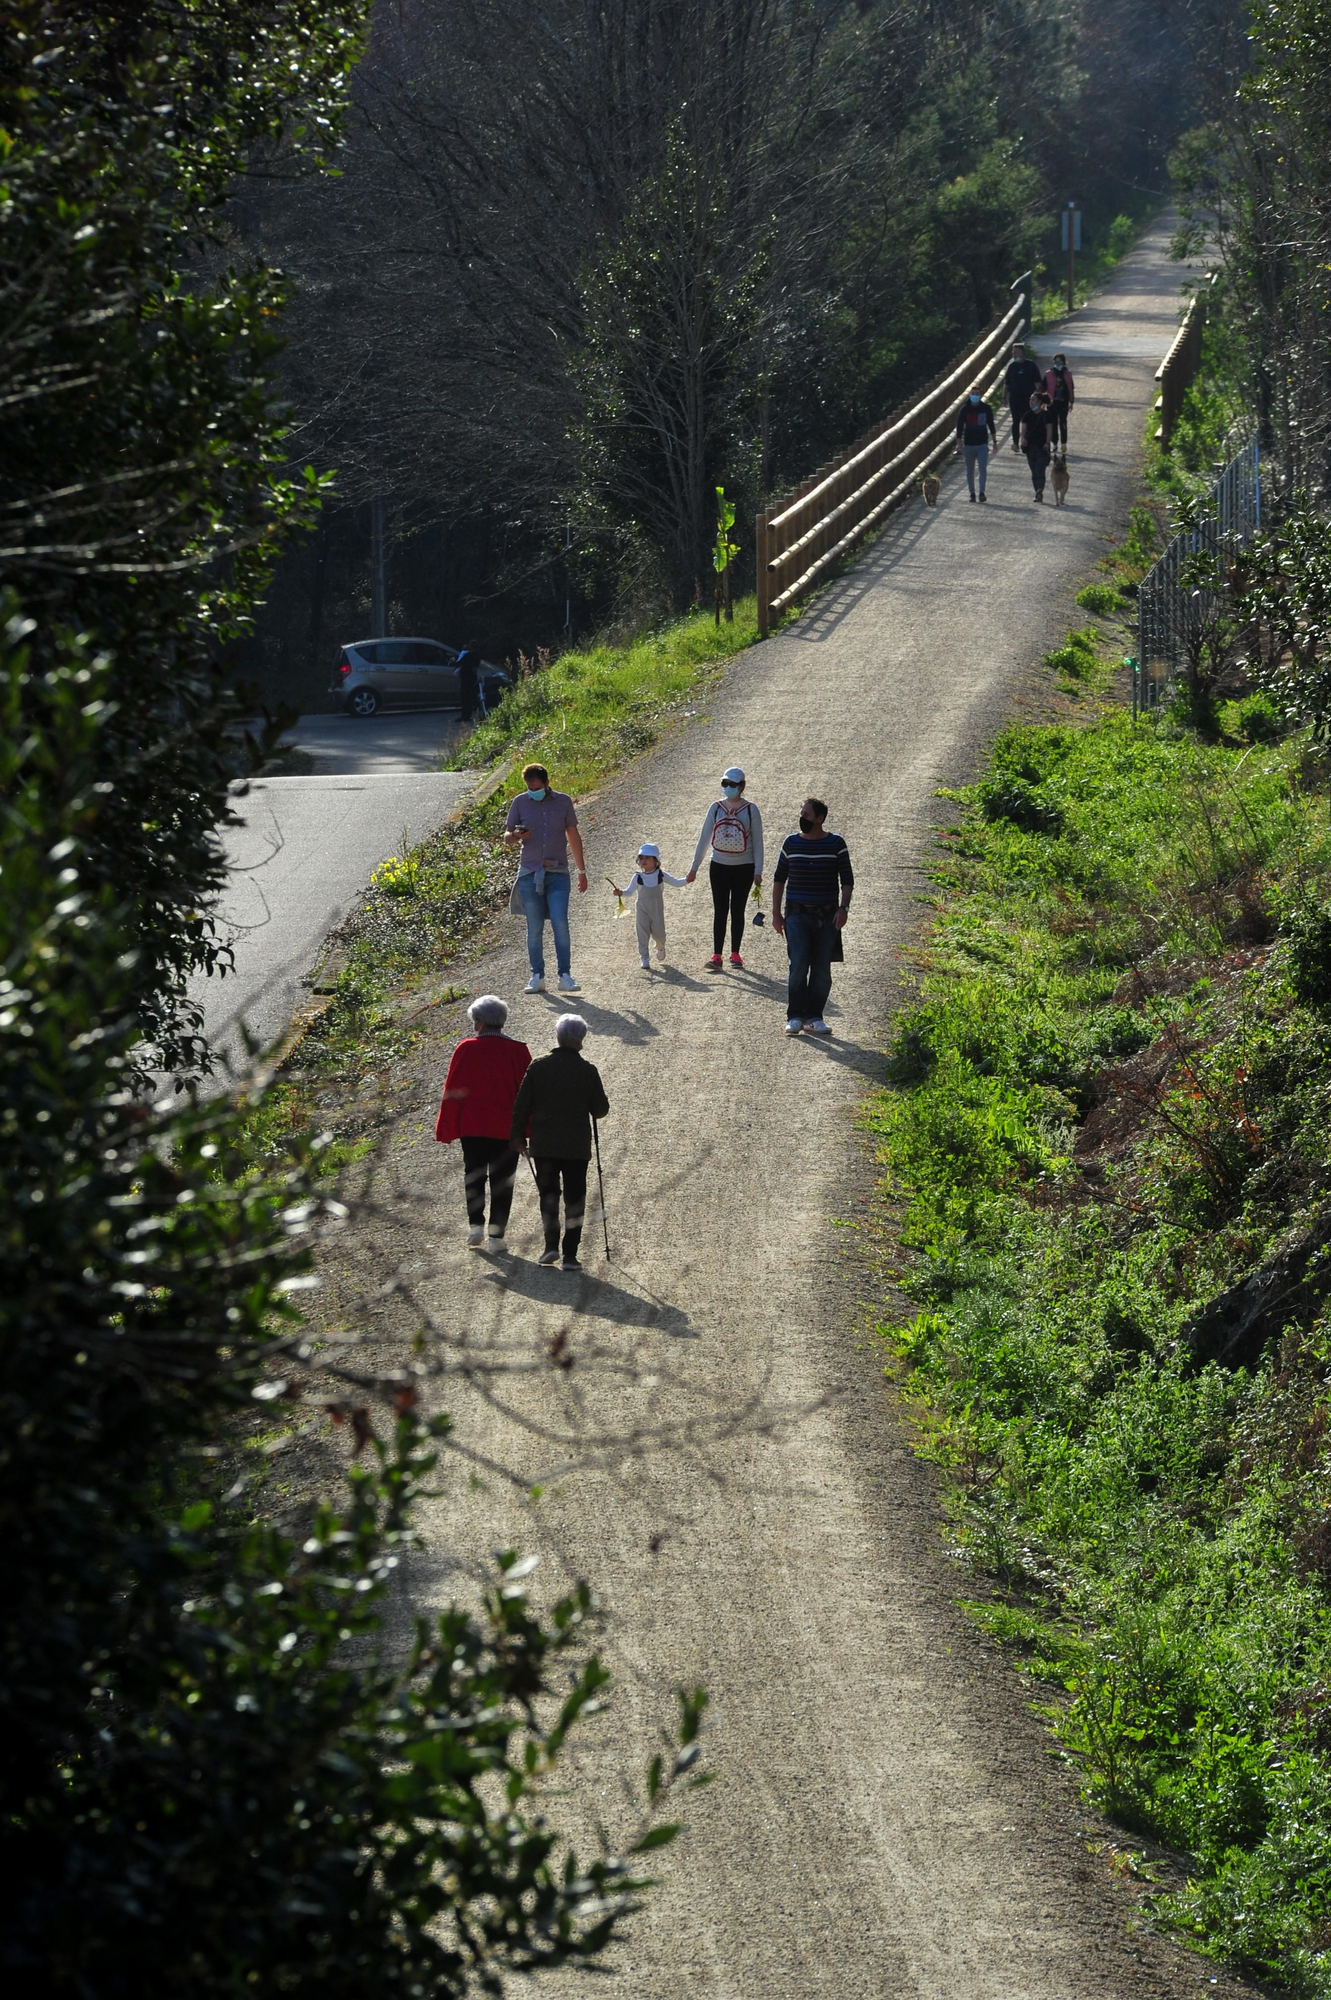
pixel 1109 1108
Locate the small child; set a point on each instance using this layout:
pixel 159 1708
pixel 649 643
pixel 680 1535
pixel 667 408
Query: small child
pixel 647 884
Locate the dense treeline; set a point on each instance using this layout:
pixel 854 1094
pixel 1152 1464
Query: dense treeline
pixel 214 1778
pixel 582 264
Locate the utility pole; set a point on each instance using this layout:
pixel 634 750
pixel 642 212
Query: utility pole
pixel 1072 244
pixel 378 570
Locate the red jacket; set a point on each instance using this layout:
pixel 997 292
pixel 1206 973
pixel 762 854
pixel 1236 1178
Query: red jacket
pixel 480 1088
pixel 1051 383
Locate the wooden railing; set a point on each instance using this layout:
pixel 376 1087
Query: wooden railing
pixel 1178 371
pixel 797 541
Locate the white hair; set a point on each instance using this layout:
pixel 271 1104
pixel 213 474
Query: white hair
pixel 570 1030
pixel 488 1009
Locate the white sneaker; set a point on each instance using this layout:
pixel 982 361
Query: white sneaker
pixel 646 964
pixel 475 1237
pixel 818 1027
pixel 496 1236
pixel 536 984
pixel 567 983
pixel 660 954
pixel 793 1025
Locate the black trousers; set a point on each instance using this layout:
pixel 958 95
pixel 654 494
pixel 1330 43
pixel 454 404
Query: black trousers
pixel 1038 461
pixel 730 892
pixel 497 1159
pixel 1058 423
pixel 1018 412
pixel 573 1173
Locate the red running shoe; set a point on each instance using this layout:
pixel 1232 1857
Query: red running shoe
pixel 713 964
pixel 735 959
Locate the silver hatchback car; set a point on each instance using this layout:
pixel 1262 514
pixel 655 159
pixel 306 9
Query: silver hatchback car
pixel 407 673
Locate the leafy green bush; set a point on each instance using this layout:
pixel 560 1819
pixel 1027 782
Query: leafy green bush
pixel 1078 656
pixel 1306 939
pixel 1122 236
pixel 1102 600
pixel 1023 804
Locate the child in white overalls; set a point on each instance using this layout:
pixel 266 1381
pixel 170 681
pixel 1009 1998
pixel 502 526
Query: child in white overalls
pixel 647 883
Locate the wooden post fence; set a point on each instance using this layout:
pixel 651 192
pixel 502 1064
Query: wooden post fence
pixel 797 541
pixel 1178 371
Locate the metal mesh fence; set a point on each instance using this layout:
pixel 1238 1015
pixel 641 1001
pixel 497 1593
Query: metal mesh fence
pixel 1169 612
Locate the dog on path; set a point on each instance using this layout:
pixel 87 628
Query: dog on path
pixel 929 486
pixel 1058 478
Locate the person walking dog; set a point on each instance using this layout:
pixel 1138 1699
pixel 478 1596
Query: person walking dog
pixel 814 880
pixel 976 436
pixel 1035 440
pixel 1062 393
pixel 558 1098
pixel 648 883
pixel 733 830
pixel 480 1091
pixel 1021 378
pixel 544 824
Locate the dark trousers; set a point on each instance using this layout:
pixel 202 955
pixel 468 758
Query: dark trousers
pixel 730 892
pixel 498 1159
pixel 1039 464
pixel 1018 412
pixel 1058 423
pixel 573 1173
pixel 810 939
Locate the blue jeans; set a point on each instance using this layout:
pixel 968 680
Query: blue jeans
pixel 976 457
pixel 810 936
pixel 553 904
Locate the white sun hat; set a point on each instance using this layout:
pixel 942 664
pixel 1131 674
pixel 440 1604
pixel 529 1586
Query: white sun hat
pixel 649 847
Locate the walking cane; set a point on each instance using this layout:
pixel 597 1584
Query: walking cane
pixel 596 1137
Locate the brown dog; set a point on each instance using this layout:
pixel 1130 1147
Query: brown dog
pixel 1058 478
pixel 929 486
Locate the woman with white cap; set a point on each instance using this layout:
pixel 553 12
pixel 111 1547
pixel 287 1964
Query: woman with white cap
pixel 733 830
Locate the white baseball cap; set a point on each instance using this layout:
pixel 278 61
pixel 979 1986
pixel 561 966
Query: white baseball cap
pixel 649 847
pixel 734 776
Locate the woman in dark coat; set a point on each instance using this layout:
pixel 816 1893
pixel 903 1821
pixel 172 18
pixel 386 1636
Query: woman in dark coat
pixel 477 1107
pixel 558 1098
pixel 1035 440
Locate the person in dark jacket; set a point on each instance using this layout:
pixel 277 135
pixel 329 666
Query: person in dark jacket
pixel 1062 394
pixel 975 432
pixel 477 1107
pixel 556 1102
pixel 469 682
pixel 1035 440
pixel 1021 379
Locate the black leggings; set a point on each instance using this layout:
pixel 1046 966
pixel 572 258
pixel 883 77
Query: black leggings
pixel 730 892
pixel 1058 423
pixel 498 1159
pixel 574 1175
pixel 1038 461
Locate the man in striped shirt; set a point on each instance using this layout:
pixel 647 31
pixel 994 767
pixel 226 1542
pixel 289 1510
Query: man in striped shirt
pixel 810 901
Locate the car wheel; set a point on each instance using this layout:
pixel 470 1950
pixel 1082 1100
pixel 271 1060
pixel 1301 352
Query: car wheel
pixel 364 702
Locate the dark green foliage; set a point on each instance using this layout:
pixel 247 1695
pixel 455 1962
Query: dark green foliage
pixel 1013 798
pixel 1107 1131
pixel 1306 939
pixel 140 480
pixel 214 1774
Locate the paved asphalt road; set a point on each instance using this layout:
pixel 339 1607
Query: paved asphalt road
pixel 306 848
pixel 886 1819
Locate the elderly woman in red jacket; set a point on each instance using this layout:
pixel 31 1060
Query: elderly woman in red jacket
pixel 477 1107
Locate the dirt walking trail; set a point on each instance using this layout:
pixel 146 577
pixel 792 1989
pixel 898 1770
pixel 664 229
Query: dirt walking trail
pixel 886 1819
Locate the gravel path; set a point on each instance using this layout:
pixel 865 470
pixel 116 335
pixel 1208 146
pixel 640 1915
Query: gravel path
pixel 886 1820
